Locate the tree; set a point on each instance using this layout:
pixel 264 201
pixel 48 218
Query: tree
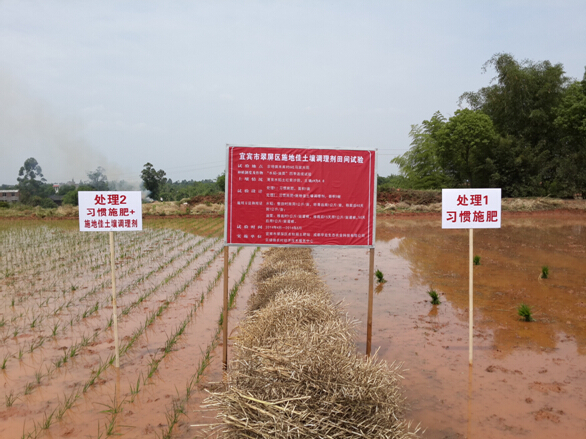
pixel 221 182
pixel 522 106
pixel 421 165
pixel 30 180
pixel 98 179
pixel 571 122
pixel 153 180
pixel 464 146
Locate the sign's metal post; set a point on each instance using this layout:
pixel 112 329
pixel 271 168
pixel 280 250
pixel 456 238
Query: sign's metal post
pixel 225 311
pixel 471 295
pixel 114 312
pixel 290 196
pixel 370 300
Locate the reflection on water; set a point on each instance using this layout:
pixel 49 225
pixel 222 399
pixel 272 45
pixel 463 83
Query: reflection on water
pixel 509 274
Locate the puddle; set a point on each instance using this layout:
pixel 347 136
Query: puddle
pixel 527 378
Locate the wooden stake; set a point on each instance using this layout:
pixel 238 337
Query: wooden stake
pixel 114 314
pixel 370 296
pixel 471 295
pixel 225 312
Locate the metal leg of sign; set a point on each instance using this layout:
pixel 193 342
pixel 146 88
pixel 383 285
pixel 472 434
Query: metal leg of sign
pixel 225 312
pixel 471 295
pixel 114 313
pixel 370 295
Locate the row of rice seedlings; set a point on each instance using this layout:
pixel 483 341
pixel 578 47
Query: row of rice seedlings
pixel 178 406
pixel 72 243
pixel 137 333
pixel 96 306
pixel 54 416
pixel 92 308
pixel 68 353
pixel 172 339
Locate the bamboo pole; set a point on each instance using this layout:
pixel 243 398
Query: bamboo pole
pixel 471 295
pixel 370 300
pixel 225 312
pixel 114 313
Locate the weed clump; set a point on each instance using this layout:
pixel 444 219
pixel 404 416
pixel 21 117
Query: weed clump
pixel 525 312
pixel 476 260
pixel 544 272
pixel 434 297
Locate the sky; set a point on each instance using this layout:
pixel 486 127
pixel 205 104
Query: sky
pixel 118 84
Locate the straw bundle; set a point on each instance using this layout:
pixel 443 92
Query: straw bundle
pixel 296 373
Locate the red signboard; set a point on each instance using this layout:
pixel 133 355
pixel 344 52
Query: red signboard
pixel 288 196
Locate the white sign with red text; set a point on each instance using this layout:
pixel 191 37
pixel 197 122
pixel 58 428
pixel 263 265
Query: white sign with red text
pixel 107 211
pixel 471 208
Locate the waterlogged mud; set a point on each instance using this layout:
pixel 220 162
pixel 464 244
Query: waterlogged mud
pixel 528 378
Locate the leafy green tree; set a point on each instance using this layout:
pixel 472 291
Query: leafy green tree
pixel 98 179
pixel 421 164
pixel 522 106
pixel 30 180
pixel 571 122
pixel 153 180
pixel 71 197
pixel 464 146
pixel 221 182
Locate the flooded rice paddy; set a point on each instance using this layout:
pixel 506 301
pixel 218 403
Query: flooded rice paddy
pixel 528 378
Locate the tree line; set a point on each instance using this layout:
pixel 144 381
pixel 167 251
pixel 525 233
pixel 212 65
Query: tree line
pixel 524 133
pixel 35 191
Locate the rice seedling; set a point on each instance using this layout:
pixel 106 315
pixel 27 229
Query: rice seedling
pixel 524 311
pixel 476 260
pixel 38 376
pixel 5 360
pixel 10 399
pixel 135 389
pixel 544 272
pixel 434 297
pixel 28 388
pixel 47 420
pixel 68 402
pixel 379 276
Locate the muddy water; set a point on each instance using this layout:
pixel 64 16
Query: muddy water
pixel 527 379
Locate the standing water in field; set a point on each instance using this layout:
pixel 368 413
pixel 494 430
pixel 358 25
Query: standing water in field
pixel 528 378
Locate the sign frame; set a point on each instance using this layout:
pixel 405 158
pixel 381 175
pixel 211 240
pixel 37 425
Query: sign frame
pixel 370 210
pixel 112 202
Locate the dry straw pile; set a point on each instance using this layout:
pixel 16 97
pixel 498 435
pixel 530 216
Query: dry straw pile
pixel 296 373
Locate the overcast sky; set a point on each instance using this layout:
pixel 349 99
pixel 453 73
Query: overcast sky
pixel 121 83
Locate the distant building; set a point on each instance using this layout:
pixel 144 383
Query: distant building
pixel 9 195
